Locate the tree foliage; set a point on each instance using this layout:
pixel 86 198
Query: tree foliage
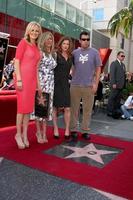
pixel 122 21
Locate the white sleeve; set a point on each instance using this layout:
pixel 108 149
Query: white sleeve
pixel 128 101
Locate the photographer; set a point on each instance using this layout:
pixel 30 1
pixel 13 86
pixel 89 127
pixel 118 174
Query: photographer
pixel 127 108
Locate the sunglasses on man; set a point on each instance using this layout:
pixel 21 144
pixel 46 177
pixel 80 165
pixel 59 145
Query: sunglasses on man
pixel 85 39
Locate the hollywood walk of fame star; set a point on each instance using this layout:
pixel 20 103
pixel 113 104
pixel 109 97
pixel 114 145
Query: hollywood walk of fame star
pixel 41 100
pixel 88 151
pixel 2 49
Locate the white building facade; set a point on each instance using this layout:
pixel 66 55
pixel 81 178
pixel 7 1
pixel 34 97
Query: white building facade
pixel 102 11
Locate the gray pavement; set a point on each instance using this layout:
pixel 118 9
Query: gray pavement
pixel 22 183
pixel 104 125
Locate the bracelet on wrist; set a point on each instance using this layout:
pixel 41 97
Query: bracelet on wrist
pixel 19 80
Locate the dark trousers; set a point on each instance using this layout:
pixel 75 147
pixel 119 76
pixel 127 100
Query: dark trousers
pixel 114 101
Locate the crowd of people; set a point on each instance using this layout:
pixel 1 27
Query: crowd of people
pixel 39 66
pixel 7 82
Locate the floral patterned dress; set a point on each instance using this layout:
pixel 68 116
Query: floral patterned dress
pixel 46 77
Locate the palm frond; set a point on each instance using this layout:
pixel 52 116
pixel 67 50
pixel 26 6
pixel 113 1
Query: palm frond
pixel 121 21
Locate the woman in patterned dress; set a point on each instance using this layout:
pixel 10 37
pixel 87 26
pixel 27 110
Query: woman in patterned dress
pixel 46 80
pixel 26 62
pixel 62 90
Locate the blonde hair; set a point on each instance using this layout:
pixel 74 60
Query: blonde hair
pixel 29 28
pixel 45 36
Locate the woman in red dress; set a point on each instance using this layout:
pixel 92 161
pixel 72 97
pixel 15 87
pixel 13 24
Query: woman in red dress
pixel 26 62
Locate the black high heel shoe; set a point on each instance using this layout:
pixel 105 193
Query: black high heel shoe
pixel 74 135
pixel 56 136
pixel 67 137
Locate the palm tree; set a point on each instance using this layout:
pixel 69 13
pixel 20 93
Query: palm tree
pixel 122 21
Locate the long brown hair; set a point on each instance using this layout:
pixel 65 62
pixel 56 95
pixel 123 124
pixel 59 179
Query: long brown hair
pixel 62 39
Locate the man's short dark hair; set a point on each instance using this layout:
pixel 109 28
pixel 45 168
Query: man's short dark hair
pixel 119 52
pixel 84 33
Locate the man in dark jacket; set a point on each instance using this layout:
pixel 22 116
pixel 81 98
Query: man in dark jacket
pixel 117 82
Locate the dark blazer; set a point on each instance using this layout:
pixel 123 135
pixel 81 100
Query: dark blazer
pixel 117 74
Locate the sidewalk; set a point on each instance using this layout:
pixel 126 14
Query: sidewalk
pixel 104 125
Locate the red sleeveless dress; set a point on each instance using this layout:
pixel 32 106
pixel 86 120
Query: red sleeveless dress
pixel 28 56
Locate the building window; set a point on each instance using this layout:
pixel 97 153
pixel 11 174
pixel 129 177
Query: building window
pixel 122 43
pixel 98 14
pixel 79 18
pixel 48 4
pixel 70 13
pixel 87 22
pixel 126 3
pixel 60 7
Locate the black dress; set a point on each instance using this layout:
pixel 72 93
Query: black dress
pixel 61 80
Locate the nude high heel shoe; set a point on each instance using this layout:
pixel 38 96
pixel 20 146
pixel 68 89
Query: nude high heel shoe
pixel 45 140
pixel 39 138
pixel 26 142
pixel 19 141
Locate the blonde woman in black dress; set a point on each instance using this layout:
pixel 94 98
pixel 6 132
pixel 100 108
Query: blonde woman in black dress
pixel 61 84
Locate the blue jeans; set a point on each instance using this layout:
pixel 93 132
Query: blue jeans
pixel 127 112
